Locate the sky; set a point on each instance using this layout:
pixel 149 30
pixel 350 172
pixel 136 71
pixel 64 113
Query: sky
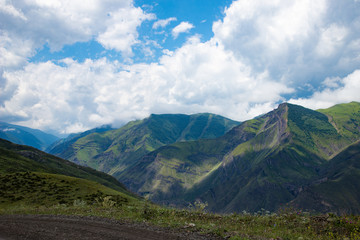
pixel 71 65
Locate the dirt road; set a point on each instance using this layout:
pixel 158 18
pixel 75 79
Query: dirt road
pixel 74 227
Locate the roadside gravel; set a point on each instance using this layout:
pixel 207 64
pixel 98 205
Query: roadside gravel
pixel 13 227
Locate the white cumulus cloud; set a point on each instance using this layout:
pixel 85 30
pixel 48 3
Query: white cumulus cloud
pixel 331 40
pixel 199 77
pixel 262 52
pixel 121 32
pixel 181 28
pixel 7 8
pixel 163 22
pixel 57 23
pixel 300 41
pixel 338 90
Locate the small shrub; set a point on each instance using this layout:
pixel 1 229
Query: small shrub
pixel 105 202
pixel 198 206
pixel 79 203
pixel 146 212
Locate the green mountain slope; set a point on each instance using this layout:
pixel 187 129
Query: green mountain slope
pixel 262 163
pixel 337 187
pixel 26 136
pixel 345 118
pixel 115 150
pixel 63 146
pixel 16 158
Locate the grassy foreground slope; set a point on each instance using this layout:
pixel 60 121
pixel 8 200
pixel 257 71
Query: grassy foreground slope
pixel 262 163
pixel 19 158
pixel 45 189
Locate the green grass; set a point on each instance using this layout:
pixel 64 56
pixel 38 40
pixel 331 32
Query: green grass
pixel 314 132
pixel 18 158
pixel 345 118
pixel 43 189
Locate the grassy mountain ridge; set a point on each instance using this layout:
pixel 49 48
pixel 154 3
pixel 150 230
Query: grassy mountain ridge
pixel 262 163
pixel 345 118
pixel 313 130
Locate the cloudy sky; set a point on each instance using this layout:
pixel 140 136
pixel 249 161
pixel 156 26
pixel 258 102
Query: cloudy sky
pixel 71 65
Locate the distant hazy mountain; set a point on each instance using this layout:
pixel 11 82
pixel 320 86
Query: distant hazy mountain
pixel 262 163
pixel 27 136
pixel 112 151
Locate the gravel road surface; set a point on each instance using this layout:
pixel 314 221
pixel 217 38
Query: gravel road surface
pixel 13 227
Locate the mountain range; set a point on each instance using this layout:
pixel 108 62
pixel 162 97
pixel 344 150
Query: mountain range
pixel 291 156
pixel 27 136
pixel 262 163
pixel 113 151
